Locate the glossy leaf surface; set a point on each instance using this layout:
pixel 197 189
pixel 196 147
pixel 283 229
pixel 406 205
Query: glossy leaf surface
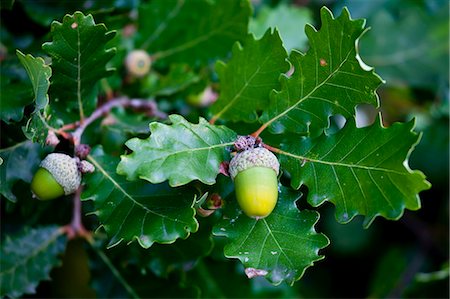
pixel 180 152
pixel 79 56
pixel 363 171
pixel 137 210
pixel 329 79
pixel 28 258
pixel 280 246
pixel 17 163
pixel 249 76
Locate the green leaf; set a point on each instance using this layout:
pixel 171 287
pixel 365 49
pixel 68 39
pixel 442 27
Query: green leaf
pixel 79 58
pixel 192 31
pixel 39 74
pixel 28 258
pixel 281 246
pixel 137 210
pixel 16 91
pixel 17 163
pixel 39 122
pixel 288 19
pixel 249 77
pixel 180 152
pixel 362 171
pixel 329 79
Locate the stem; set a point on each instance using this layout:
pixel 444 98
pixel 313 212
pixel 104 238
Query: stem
pixel 76 228
pixel 213 120
pixel 273 149
pixel 114 270
pixel 118 102
pixel 259 131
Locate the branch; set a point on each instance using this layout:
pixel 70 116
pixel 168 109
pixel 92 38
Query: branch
pixel 148 105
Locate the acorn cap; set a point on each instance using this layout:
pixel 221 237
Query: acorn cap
pixel 255 157
pixel 65 171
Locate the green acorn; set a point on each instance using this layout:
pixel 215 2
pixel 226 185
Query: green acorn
pixel 255 173
pixel 57 175
pixel 138 63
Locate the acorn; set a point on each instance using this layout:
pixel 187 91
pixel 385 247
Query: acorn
pixel 57 175
pixel 254 172
pixel 138 63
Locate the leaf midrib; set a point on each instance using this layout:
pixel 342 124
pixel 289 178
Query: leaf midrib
pixel 127 195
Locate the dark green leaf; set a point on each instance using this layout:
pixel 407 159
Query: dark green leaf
pixel 17 163
pixel 249 76
pixel 363 171
pixel 280 246
pixel 191 31
pixel 28 258
pixel 329 79
pixel 16 91
pixel 288 19
pixel 180 152
pixel 79 57
pixel 39 74
pixel 139 211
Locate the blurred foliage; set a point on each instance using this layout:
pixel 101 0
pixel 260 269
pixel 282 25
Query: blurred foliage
pixel 408 46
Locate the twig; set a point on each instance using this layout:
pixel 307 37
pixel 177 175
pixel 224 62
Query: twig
pixel 76 228
pixel 148 105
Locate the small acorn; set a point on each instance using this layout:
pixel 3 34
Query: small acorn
pixel 254 172
pixel 138 63
pixel 57 175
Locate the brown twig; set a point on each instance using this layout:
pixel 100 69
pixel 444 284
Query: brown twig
pixel 148 105
pixel 76 228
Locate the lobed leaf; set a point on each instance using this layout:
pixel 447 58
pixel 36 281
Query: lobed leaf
pixel 17 163
pixel 40 122
pixel 180 152
pixel 79 56
pixel 137 210
pixel 28 258
pixel 280 246
pixel 39 74
pixel 249 76
pixel 329 79
pixel 192 31
pixel 362 171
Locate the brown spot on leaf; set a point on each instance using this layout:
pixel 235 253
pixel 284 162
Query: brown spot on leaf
pixel 74 25
pixel 323 62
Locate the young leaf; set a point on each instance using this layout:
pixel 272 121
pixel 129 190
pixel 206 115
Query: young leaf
pixel 180 152
pixel 138 210
pixel 213 28
pixel 249 77
pixel 27 259
pixel 280 246
pixel 363 171
pixel 39 74
pixel 329 79
pixel 79 58
pixel 17 163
